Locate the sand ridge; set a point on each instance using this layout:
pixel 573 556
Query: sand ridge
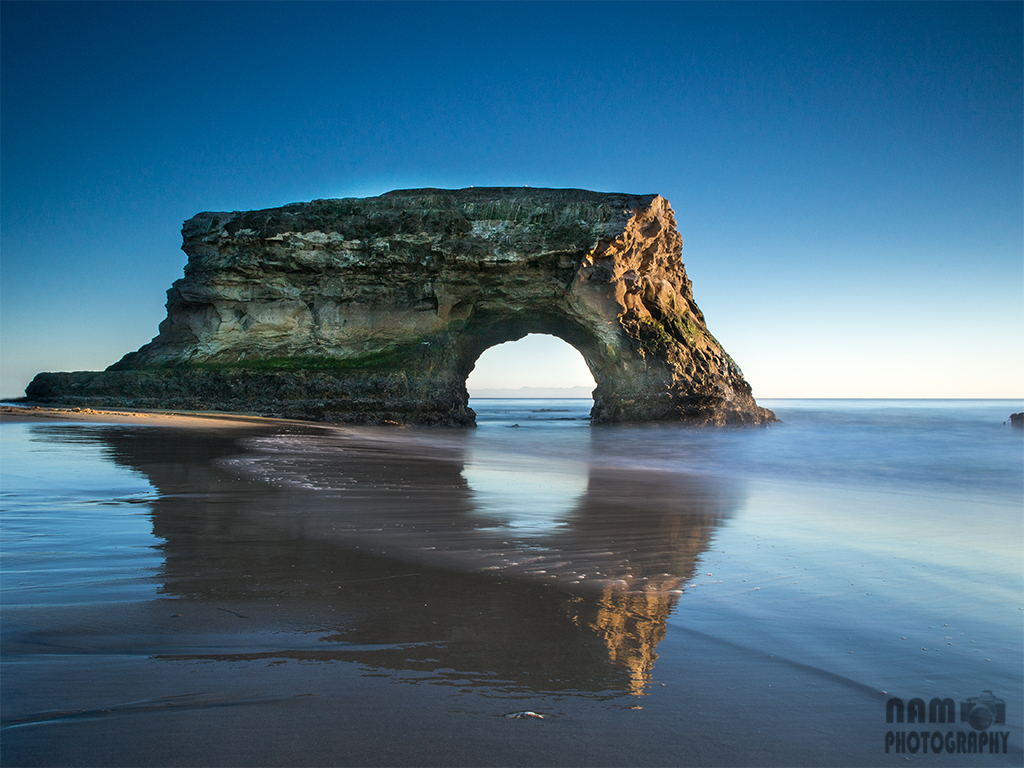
pixel 178 419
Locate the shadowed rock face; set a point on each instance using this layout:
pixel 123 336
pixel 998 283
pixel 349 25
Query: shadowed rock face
pixel 374 310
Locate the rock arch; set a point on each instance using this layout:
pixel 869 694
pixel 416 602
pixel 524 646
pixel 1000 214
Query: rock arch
pixel 375 310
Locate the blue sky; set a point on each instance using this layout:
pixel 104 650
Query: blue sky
pixel 847 178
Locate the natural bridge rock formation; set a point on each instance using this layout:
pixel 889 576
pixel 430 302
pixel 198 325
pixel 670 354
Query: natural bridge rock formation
pixel 375 310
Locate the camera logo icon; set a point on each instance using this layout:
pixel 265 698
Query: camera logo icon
pixel 982 711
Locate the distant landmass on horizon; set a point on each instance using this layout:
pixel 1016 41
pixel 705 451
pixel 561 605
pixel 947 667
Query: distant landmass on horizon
pixel 534 392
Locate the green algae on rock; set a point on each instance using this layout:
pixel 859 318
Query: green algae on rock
pixel 376 310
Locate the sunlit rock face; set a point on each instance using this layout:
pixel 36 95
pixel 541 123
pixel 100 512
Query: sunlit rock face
pixel 376 310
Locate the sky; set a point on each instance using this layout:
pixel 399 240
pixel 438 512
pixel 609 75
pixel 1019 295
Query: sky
pixel 847 178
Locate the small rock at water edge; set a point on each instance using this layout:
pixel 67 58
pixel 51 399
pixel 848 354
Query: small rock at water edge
pixel 525 715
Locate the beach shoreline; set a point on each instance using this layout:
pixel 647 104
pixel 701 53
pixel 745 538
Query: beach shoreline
pixel 143 417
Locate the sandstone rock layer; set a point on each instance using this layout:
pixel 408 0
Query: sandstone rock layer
pixel 375 310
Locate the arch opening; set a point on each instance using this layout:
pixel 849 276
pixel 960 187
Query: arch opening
pixel 537 365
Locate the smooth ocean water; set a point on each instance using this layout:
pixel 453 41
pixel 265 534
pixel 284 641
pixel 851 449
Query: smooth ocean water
pixel 784 581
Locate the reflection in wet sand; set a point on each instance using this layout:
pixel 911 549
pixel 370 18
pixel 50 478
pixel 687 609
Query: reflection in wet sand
pixel 652 528
pixel 631 625
pixel 408 555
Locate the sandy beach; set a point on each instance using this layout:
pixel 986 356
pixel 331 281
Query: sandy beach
pixel 200 589
pixel 176 419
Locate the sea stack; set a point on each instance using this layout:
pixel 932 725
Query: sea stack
pixel 375 310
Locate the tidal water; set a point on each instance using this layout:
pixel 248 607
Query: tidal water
pixel 660 595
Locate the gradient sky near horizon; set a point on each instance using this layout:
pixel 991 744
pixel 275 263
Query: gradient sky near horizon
pixel 847 177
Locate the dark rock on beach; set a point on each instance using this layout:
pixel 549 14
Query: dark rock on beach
pixel 375 310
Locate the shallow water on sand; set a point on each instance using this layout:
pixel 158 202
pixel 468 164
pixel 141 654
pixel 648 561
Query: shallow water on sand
pixel 662 595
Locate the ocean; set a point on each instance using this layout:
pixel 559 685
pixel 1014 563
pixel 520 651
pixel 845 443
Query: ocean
pixel 842 588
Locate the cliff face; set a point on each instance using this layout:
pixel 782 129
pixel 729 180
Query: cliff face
pixel 374 310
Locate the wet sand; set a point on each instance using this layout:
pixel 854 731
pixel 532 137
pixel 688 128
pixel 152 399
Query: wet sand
pixel 358 612
pixel 139 687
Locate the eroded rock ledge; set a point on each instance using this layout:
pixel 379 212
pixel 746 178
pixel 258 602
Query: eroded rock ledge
pixel 375 310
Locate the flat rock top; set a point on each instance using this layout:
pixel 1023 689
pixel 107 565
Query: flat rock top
pixel 539 195
pixel 408 209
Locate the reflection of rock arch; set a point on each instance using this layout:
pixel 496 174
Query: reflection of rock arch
pixel 666 522
pixel 230 542
pixel 376 310
pixel 632 623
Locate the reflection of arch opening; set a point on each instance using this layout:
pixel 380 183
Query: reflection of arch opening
pixel 544 364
